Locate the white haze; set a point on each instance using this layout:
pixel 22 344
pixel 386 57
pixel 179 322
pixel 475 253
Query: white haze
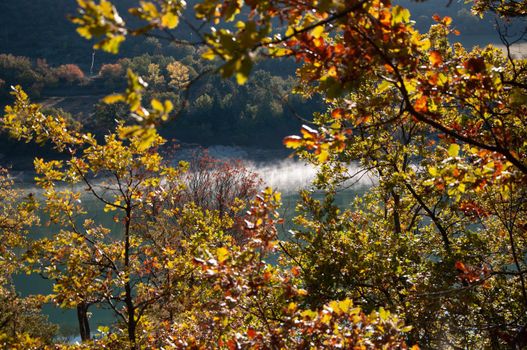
pixel 281 172
pixel 274 167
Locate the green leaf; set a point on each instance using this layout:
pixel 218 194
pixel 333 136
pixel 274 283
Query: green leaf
pixel 400 14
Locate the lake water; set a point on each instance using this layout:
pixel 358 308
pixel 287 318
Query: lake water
pixel 274 167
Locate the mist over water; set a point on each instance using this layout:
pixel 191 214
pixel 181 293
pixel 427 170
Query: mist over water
pixel 277 168
pixel 287 175
pixel 291 175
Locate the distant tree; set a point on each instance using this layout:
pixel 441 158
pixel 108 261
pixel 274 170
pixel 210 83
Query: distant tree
pixel 111 71
pixel 19 70
pixel 153 45
pixel 154 78
pixel 179 75
pixel 112 74
pixel 217 184
pixel 70 74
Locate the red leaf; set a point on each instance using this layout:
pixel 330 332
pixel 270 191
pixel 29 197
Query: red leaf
pixel 295 270
pixel 251 333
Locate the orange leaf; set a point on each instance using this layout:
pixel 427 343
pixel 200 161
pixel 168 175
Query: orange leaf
pixel 460 266
pixel 267 276
pixel 362 119
pixel 338 113
pixel 292 141
pixel 295 270
pixel 435 58
pixel 420 105
pixel 339 49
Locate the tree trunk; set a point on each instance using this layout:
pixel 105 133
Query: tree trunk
pixel 84 323
pixel 128 299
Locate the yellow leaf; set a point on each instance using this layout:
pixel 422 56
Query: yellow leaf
pixel 326 319
pixel 323 155
pixel 158 106
pixel 113 98
pixel 345 305
pixel 317 32
pixel 383 314
pixel 383 86
pixel 169 106
pixel 291 307
pixel 400 14
pixel 208 55
pixel 170 20
pixel 425 44
pixel 453 150
pixel 433 171
pixel 334 305
pixel 241 78
pixel 222 254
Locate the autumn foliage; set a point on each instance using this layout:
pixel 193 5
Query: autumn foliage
pixel 433 254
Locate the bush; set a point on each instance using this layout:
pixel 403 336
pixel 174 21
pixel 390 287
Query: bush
pixel 70 74
pixel 112 75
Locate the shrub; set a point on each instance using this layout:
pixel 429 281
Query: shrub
pixel 70 73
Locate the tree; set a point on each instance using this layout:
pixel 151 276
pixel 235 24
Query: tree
pixel 70 73
pixel 112 74
pixel 22 325
pixel 217 184
pixel 172 269
pixel 179 75
pixel 439 241
pixel 143 260
pixel 442 128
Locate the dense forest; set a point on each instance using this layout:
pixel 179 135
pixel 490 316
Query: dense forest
pixel 198 253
